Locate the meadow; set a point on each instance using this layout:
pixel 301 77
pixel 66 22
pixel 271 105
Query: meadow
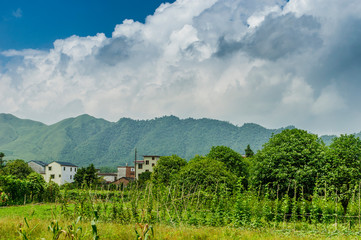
pixel 175 212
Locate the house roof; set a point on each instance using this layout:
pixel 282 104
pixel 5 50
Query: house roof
pixel 39 163
pixel 66 164
pixel 107 174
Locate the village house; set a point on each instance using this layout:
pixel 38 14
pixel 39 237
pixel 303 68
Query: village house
pixel 38 166
pixel 60 172
pixel 145 165
pixel 126 171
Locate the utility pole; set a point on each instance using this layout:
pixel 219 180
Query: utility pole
pixel 135 163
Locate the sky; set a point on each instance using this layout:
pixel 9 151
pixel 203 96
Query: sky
pixel 271 62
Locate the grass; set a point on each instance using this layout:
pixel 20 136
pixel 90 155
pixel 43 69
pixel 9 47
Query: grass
pixel 40 217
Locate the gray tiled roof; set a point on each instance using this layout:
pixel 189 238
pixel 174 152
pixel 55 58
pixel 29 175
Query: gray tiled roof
pixel 66 164
pixel 40 163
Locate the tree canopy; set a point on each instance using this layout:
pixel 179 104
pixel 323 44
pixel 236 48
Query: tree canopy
pixel 342 169
pixel 166 168
pixel 293 155
pixel 231 159
pixel 86 176
pixel 17 168
pixel 206 172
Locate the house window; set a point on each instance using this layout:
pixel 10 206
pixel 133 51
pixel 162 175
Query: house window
pixel 71 169
pixel 59 175
pixel 64 168
pixel 71 176
pixel 147 170
pixel 140 166
pixel 75 169
pixel 147 162
pixel 153 164
pixel 52 176
pixel 49 168
pixel 153 158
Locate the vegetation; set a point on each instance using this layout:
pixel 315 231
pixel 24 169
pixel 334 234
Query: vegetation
pixel 85 139
pixel 295 183
pixel 291 156
pixel 86 176
pixel 167 166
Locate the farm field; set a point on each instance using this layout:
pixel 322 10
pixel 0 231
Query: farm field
pixel 40 216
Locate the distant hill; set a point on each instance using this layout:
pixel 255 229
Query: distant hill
pixel 85 139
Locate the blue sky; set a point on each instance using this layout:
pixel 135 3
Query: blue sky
pixel 271 62
pixel 38 23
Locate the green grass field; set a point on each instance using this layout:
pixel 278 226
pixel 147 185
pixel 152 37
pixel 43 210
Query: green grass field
pixel 40 216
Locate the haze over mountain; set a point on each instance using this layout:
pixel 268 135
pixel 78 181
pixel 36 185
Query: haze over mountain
pixel 85 139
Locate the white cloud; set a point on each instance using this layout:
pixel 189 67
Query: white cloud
pixel 18 13
pixel 264 61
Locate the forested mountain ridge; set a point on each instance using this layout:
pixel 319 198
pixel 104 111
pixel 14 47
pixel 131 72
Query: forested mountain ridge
pixel 85 139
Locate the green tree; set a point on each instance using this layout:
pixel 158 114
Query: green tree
pixel 291 156
pixel 143 178
pixel 166 168
pixel 232 160
pixel 37 186
pixel 17 168
pixel 207 173
pixel 86 176
pixel 343 167
pixel 2 162
pixel 249 152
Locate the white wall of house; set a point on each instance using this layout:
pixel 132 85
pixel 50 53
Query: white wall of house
pixel 60 174
pixel 146 165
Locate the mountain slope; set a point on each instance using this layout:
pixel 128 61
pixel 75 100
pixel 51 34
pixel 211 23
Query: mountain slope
pixel 85 139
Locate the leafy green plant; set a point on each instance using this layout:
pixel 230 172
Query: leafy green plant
pixel 24 230
pixel 144 232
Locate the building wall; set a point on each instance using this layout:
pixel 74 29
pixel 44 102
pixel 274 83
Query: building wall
pixel 36 167
pixel 125 171
pixel 146 165
pixel 60 174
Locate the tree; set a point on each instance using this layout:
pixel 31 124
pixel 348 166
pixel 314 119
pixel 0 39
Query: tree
pixel 343 167
pixel 143 178
pixel 166 168
pixel 86 176
pixel 249 152
pixel 292 156
pixel 207 173
pixel 37 185
pixel 2 162
pixel 17 168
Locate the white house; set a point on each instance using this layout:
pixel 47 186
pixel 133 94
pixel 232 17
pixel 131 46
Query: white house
pixel 60 172
pixel 145 165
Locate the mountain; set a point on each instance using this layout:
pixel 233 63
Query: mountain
pixel 85 139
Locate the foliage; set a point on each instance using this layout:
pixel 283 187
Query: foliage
pixel 85 139
pixel 2 155
pixel 232 160
pixel 205 172
pixel 17 168
pixel 290 156
pixel 342 170
pixel 248 151
pixel 166 168
pixel 37 186
pixel 86 176
pixel 143 178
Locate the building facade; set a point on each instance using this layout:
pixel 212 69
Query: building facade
pixel 126 171
pixel 60 172
pixel 145 165
pixel 38 166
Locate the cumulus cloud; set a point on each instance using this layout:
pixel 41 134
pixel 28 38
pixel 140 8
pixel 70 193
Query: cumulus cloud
pixel 273 62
